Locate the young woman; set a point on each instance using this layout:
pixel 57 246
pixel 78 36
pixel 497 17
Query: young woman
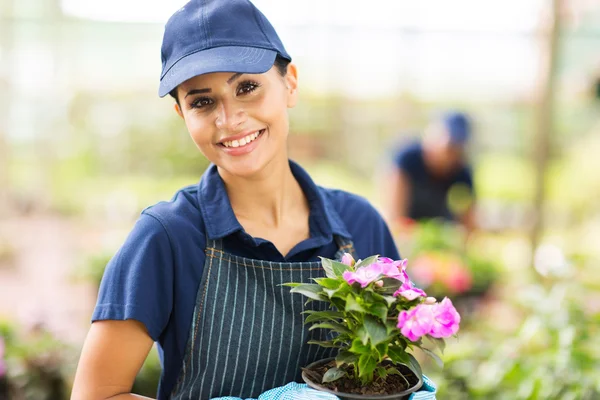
pixel 201 275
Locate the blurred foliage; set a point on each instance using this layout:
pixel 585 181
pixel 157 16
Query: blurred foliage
pixel 38 364
pixel 554 353
pixel 444 261
pixel 92 268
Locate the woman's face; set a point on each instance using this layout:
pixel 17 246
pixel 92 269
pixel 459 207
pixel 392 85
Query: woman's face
pixel 239 121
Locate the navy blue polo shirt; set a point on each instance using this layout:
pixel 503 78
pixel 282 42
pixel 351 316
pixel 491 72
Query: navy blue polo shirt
pixel 155 275
pixel 429 193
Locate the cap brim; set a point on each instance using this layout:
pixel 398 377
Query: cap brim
pixel 246 60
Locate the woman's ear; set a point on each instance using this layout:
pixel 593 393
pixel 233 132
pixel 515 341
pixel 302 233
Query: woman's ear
pixel 178 109
pixel 291 84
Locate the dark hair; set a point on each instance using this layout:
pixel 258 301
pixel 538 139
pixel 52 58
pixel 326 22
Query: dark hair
pixel 280 63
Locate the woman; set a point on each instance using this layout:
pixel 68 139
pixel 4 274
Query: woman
pixel 201 275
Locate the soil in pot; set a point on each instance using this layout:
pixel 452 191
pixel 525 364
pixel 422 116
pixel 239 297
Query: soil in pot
pixel 381 388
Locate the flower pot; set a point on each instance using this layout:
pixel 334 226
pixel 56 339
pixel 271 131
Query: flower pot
pixel 346 396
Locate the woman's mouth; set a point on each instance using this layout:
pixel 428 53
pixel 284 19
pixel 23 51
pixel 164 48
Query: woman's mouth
pixel 246 140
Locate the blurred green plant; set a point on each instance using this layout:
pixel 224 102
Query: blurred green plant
pixel 38 364
pixel 554 355
pixel 444 262
pixel 92 268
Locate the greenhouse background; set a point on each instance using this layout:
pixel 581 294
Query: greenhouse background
pixel 86 144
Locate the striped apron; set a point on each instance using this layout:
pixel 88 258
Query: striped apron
pixel 248 334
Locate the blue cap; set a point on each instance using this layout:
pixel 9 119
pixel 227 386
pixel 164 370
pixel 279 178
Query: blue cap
pixel 217 36
pixel 459 127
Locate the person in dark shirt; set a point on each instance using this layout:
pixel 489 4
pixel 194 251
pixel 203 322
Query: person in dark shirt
pixel 426 173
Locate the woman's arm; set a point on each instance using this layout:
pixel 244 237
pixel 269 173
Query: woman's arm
pixel 112 355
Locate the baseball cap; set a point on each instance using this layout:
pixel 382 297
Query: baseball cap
pixel 458 126
pixel 207 36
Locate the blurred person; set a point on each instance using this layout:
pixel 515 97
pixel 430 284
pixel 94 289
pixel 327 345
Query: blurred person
pixel 432 178
pixel 202 274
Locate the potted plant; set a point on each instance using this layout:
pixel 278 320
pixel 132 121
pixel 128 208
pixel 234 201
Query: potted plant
pixel 378 317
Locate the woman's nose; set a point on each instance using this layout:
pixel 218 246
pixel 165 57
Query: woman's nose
pixel 230 116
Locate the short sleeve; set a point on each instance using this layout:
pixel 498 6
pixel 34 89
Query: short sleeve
pixel 409 159
pixel 138 281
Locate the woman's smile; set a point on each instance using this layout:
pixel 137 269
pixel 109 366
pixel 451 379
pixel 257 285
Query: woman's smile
pixel 241 144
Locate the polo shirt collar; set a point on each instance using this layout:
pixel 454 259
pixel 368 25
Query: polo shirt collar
pixel 220 220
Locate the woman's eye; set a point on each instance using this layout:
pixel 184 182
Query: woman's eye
pixel 201 102
pixel 247 87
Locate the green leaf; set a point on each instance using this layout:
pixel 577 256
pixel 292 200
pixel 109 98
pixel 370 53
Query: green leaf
pixel 438 342
pixel 379 310
pixel 339 268
pixel 328 283
pixel 334 326
pixel 347 357
pixel 352 304
pixel 325 343
pixel 435 357
pixel 381 372
pixel 333 374
pixel 314 315
pixel 367 261
pixel 414 366
pixel 328 267
pixel 366 366
pixel 398 355
pixel 292 284
pixel 358 347
pixel 390 286
pixel 363 335
pixel 393 371
pixel 382 349
pixel 341 292
pixel 375 330
pixel 390 300
pixel 309 290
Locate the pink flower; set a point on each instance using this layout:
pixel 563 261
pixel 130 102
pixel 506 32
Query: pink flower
pixel 348 260
pixel 416 322
pixel 394 269
pixel 363 275
pixel 410 292
pixel 446 319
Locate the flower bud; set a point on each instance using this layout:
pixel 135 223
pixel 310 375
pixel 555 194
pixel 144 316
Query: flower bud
pixel 430 300
pixel 348 260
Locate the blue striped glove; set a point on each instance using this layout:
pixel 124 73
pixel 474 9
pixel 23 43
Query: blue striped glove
pixel 301 391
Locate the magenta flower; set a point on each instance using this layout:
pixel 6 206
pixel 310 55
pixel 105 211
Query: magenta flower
pixel 363 275
pixel 446 319
pixel 410 292
pixel 416 322
pixel 394 269
pixel 348 260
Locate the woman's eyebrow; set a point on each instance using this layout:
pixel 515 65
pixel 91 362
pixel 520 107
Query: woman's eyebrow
pixel 197 91
pixel 234 77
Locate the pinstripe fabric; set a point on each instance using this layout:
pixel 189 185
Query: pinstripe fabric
pixel 248 334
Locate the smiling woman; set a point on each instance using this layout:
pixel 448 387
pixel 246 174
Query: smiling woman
pixel 202 274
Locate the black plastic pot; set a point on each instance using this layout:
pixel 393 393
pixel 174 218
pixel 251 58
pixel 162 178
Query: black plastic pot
pixel 404 395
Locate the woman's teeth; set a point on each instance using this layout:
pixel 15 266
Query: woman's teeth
pixel 243 141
